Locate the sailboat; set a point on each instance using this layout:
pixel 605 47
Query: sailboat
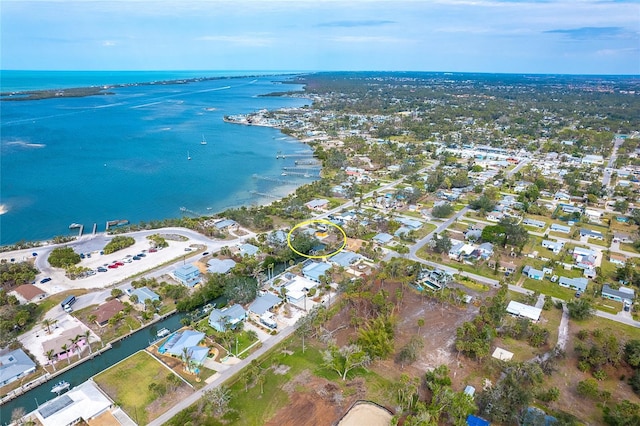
pixel 204 141
pixel 188 156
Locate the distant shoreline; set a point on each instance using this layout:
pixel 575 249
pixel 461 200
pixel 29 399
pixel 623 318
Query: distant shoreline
pixel 80 92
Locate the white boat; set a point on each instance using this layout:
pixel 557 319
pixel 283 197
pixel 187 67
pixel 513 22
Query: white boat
pixel 163 332
pixel 204 141
pixel 60 386
pixel 188 156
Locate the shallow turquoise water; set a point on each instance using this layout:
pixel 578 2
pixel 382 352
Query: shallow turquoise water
pixel 124 156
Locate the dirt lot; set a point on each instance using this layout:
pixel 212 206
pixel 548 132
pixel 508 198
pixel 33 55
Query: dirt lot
pixel 317 401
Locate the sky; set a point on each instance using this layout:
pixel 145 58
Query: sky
pixel 497 36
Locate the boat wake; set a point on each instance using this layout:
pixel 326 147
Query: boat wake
pixel 22 144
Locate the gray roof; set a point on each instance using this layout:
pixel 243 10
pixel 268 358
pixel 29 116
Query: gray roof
pixel 217 266
pixel 624 294
pixel 233 312
pixel 249 249
pixel 577 283
pixel 383 238
pixel 263 303
pixel 345 258
pixel 13 364
pixel 144 293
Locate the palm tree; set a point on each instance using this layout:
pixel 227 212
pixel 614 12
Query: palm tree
pixel 74 343
pixel 65 348
pixel 48 323
pixel 50 354
pixel 86 339
pixel 186 358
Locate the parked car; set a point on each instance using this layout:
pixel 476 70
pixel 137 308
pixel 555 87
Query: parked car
pixel 205 253
pixel 578 294
pixel 153 250
pixel 45 280
pixel 136 258
pixel 101 269
pixel 112 266
pixel 141 255
pixel 119 263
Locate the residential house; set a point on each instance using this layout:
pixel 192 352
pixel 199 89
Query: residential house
pixel 227 318
pixel 561 196
pixel 584 232
pixel 593 214
pixel 590 273
pixel 560 228
pixel 264 303
pixel 623 294
pixel 297 288
pixel 186 341
pixel 524 311
pixel 412 224
pixel 318 204
pixel 579 284
pixel 14 364
pixel 534 223
pixel 107 310
pixel 220 266
pixel 617 259
pixel 554 246
pixel 533 273
pixel 144 294
pixel 503 266
pixel 434 279
pixel 495 216
pixel 486 250
pixel 188 275
pixel 568 208
pixel 592 159
pixel 345 258
pixel 314 270
pixel 28 293
pixel 248 250
pixel 63 339
pixel 622 237
pixel 277 238
pixel 226 224
pixel 460 249
pixel 82 404
pixel 382 238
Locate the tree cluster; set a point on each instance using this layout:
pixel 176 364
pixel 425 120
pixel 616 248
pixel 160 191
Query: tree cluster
pixel 62 257
pixel 118 242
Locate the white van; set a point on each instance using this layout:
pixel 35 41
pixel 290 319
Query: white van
pixel 268 321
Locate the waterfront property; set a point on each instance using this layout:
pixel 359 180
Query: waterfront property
pixel 524 311
pixel 14 364
pixel 143 294
pixel 188 275
pixel 264 304
pixel 83 404
pixel 317 205
pixel 228 318
pixel 297 289
pixel 61 344
pixel 185 342
pixel 107 310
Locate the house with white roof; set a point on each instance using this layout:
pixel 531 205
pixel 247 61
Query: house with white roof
pixel 560 228
pixel 524 311
pixel 318 204
pixel 297 288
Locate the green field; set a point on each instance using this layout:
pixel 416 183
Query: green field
pixel 549 288
pixel 127 383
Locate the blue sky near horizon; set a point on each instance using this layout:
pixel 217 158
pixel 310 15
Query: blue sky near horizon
pixel 503 36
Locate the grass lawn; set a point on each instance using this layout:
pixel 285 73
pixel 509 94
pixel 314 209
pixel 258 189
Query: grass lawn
pixel 127 383
pixel 628 247
pixel 549 288
pixel 622 331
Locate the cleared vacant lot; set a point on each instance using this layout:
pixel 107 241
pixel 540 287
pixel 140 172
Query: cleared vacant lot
pixel 127 383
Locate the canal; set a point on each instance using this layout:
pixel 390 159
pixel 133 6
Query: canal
pixel 30 400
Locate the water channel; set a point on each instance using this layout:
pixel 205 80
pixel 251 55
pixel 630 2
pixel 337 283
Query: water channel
pixel 30 400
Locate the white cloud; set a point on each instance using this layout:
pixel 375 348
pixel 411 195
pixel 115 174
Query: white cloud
pixel 108 43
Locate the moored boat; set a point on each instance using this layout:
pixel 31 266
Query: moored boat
pixel 60 386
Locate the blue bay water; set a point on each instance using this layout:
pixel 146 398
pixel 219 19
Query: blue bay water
pixel 124 156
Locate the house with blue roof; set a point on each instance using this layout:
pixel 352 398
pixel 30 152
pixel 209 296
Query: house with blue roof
pixel 227 318
pixel 345 258
pixel 188 275
pixel 579 284
pixel 589 233
pixel 382 238
pixel 248 250
pixel 315 270
pixel 186 340
pixel 220 266
pixel 263 304
pixel 144 294
pixel 14 364
pixel 410 223
pixel 533 273
pixel 560 228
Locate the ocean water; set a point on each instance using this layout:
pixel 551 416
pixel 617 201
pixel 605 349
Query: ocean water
pixel 124 156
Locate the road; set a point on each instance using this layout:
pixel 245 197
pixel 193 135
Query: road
pixel 223 376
